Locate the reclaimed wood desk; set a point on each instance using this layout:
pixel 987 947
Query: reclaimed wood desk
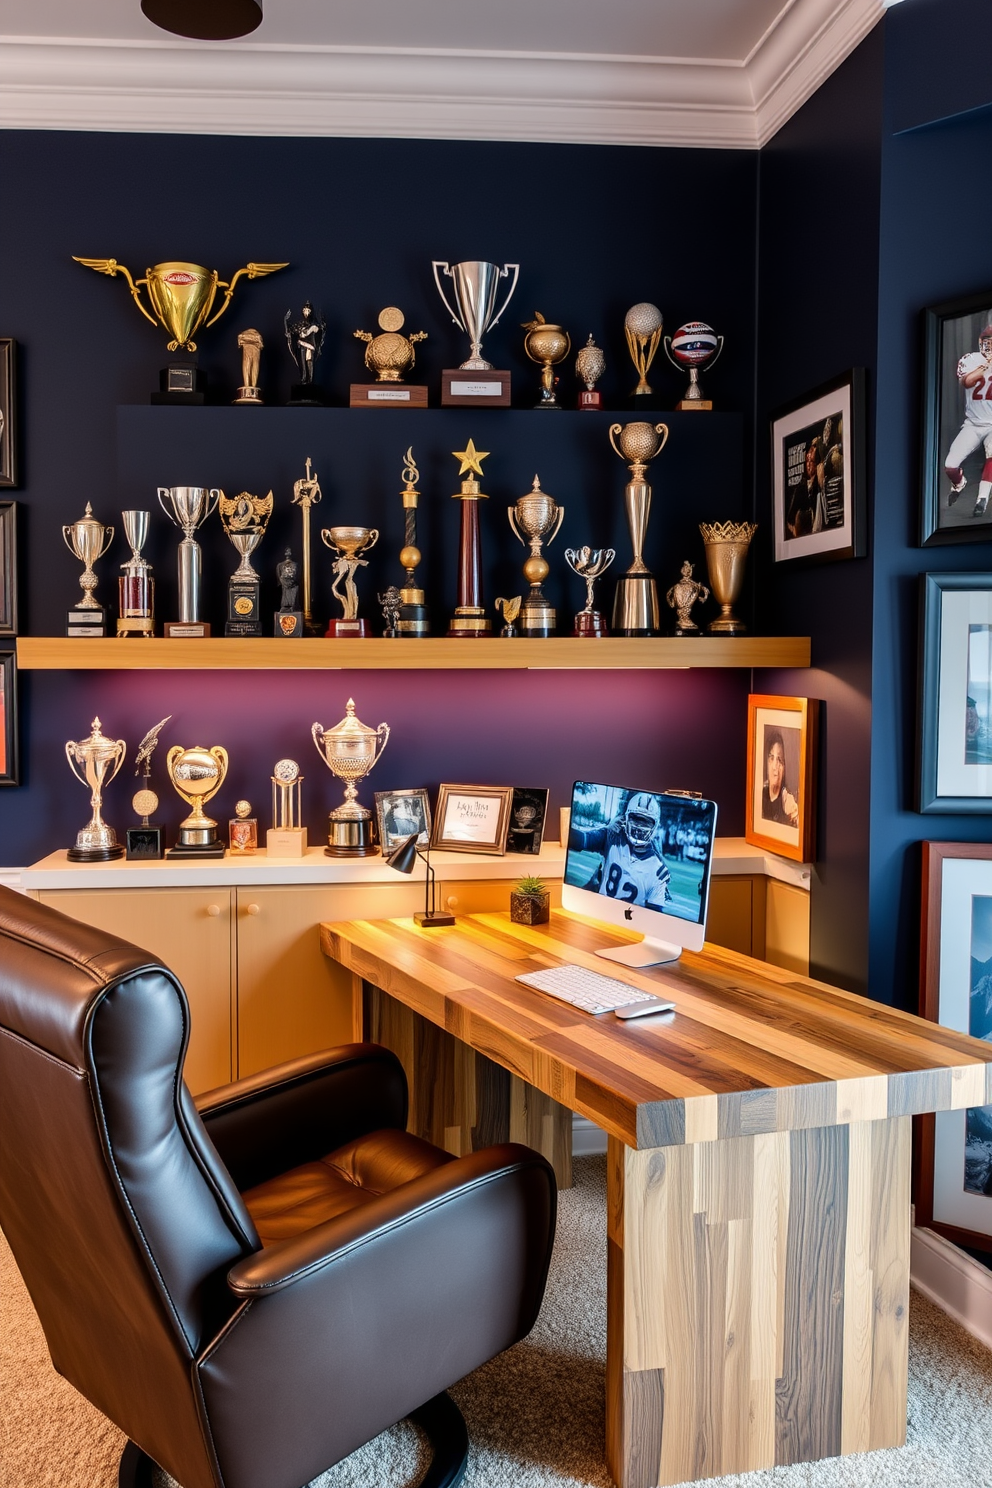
pixel 758 1176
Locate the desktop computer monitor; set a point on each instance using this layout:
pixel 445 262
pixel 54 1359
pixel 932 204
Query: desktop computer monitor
pixel 641 859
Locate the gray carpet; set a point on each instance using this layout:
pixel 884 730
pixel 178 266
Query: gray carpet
pixel 535 1415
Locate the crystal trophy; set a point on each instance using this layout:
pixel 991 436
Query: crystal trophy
pixel 286 838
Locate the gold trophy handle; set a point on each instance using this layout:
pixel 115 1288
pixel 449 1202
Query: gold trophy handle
pixel 170 760
pixel 509 295
pixel 220 755
pixel 615 429
pixel 659 429
pixel 373 538
pixel 554 531
pixel 254 271
pixel 511 512
pixel 110 537
pixel 325 537
pixel 112 268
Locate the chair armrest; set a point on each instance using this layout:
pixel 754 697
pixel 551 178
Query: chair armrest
pixel 296 1112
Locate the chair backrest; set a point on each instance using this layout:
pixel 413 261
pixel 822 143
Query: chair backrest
pixel 120 1214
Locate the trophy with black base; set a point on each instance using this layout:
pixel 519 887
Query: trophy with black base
pixel 146 841
pixel 413 619
pixel 88 540
pixel 289 619
pixel 244 518
pixel 197 775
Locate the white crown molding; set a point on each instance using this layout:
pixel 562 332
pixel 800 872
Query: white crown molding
pixel 249 89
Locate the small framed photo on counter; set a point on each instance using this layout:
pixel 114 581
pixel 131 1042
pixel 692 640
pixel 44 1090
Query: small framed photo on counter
pixel 473 818
pixel 400 813
pixel 781 775
pixel 528 813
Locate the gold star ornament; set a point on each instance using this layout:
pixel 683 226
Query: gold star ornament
pixel 471 458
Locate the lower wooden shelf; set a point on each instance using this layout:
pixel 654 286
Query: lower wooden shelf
pixel 58 653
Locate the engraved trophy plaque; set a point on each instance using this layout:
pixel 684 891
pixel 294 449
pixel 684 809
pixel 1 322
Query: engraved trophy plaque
pixel 535 519
pixel 349 543
pixel 635 606
pixel 189 507
pixel 88 540
pixel 349 750
pixel 474 289
pixel 100 759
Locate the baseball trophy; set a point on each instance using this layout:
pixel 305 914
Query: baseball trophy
pixel 349 543
pixel 307 493
pixel 136 587
pixel 289 620
pixel 474 287
pixel 181 296
pixel 642 327
pixel 726 545
pixel 470 617
pixel 635 605
pixel 547 345
pixel 244 518
pixel 413 619
pixel 590 364
pixel 589 564
pixel 87 540
pixel 349 750
pixel 242 829
pixel 100 758
pixel 389 355
pixel 305 339
pixel 189 507
pixel 251 344
pixel 146 841
pixel 535 519
pixel 286 838
pixel 694 346
pixel 681 598
pixel 197 775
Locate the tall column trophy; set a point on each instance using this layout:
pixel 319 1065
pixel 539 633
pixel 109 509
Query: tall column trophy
pixel 535 519
pixel 389 355
pixel 474 287
pixel 88 540
pixel 251 344
pixel 307 493
pixel 470 618
pixel 642 326
pixel 412 619
pixel 244 518
pixel 100 758
pixel 286 838
pixel 635 605
pixel 146 841
pixel 547 345
pixel 589 564
pixel 136 587
pixel 197 775
pixel 189 507
pixel 349 543
pixel 694 346
pixel 349 750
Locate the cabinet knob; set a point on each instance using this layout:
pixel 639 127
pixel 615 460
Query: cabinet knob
pixel 253 909
pixel 213 910
pixel 451 901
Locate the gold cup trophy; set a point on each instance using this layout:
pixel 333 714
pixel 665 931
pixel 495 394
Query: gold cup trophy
pixel 547 345
pixel 197 775
pixel 535 519
pixel 635 604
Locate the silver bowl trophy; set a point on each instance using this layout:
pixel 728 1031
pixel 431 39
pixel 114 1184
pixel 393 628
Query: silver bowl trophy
pixel 474 288
pixel 244 518
pixel 100 758
pixel 535 519
pixel 349 750
pixel 197 774
pixel 87 540
pixel 146 841
pixel 590 564
pixel 726 545
pixel 694 346
pixel 349 543
pixel 189 507
pixel 136 587
pixel 635 605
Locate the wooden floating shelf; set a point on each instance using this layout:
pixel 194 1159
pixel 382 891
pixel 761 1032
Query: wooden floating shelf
pixel 613 653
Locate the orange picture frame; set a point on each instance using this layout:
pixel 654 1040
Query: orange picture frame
pixel 782 739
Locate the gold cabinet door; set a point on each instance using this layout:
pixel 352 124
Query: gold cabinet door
pixel 487 895
pixel 189 931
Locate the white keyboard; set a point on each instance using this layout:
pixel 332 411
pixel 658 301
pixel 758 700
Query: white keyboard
pixel 591 992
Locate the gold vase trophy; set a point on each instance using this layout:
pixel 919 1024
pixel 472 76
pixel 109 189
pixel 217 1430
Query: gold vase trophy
pixel 726 545
pixel 547 345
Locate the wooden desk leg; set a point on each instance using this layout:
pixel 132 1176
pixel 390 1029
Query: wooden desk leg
pixel 758 1293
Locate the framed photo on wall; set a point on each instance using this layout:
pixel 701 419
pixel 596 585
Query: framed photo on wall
pixel 819 473
pixel 957 421
pixel 8 568
pixel 8 411
pixel 781 775
pixel 400 813
pixel 473 818
pixel 954 1148
pixel 9 771
pixel 955 693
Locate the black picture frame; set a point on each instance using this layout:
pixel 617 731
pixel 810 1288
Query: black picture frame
pixel 825 522
pixel 531 801
pixel 9 755
pixel 955 683
pixel 948 330
pixel 8 568
pixel 8 411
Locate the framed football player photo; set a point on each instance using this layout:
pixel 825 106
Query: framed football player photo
pixel 780 813
pixel 819 473
pixel 954 1148
pixel 957 421
pixel 8 412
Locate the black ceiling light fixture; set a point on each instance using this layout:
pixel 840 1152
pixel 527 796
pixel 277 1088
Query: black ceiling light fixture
pixel 205 20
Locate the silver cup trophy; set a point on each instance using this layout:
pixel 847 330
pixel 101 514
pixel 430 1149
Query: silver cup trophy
pixel 474 287
pixel 635 605
pixel 589 564
pixel 349 750
pixel 189 507
pixel 535 519
pixel 100 758
pixel 87 540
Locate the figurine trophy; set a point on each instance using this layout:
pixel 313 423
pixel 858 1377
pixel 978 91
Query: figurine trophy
pixel 305 339
pixel 136 587
pixel 547 345
pixel 289 620
pixel 244 519
pixel 470 618
pixel 681 598
pixel 694 347
pixel 589 564
pixel 474 287
pixel 197 775
pixel 590 364
pixel 635 605
pixel 146 841
pixel 642 326
pixel 307 493
pixel 189 507
pixel 391 604
pixel 535 519
pixel 87 540
pixel 413 619
pixel 726 545
pixel 100 758
pixel 286 838
pixel 349 543
pixel 509 609
pixel 350 750
pixel 251 344
pixel 389 355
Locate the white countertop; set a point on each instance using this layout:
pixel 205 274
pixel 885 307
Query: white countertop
pixel 732 855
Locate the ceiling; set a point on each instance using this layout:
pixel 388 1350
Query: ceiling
pixel 656 72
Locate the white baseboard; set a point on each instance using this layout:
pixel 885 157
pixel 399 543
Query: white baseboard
pixel 10 878
pixel 955 1283
pixel 587 1137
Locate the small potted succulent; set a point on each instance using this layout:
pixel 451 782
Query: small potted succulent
pixel 530 902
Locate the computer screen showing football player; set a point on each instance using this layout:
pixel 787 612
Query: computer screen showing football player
pixel 641 859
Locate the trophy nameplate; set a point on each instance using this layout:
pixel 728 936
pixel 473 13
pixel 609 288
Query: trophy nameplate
pixel 85 623
pixel 87 539
pixel 288 624
pixel 387 395
pixel 474 289
pixel 590 398
pixel 185 630
pixel 144 843
pixel 391 355
pixel 243 608
pixel 461 389
pixel 286 842
pixel 181 383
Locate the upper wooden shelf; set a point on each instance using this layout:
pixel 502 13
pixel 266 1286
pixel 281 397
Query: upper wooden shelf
pixel 613 653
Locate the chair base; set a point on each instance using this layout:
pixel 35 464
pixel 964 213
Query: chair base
pixel 440 1420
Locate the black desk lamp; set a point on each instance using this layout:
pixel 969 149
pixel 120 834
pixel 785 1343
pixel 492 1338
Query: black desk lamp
pixel 205 20
pixel 403 858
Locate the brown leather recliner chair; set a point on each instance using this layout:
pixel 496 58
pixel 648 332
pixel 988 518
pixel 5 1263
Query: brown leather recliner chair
pixel 253 1285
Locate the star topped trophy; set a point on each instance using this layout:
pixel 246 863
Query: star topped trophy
pixel 635 606
pixel 244 518
pixel 470 618
pixel 474 289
